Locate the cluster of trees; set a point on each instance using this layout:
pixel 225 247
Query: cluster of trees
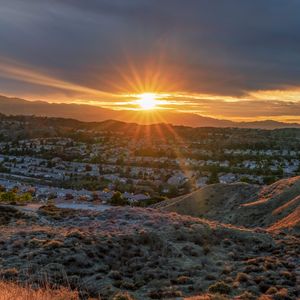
pixel 11 197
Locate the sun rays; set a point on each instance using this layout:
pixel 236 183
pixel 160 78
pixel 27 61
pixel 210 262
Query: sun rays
pixel 147 101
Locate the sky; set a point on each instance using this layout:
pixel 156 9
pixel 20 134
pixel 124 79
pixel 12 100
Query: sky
pixel 230 59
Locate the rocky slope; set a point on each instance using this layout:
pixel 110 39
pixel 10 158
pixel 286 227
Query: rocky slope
pixel 147 253
pixel 276 206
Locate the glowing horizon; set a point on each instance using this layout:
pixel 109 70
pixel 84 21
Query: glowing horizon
pixel 280 105
pixel 190 57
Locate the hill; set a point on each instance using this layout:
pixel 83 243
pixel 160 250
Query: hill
pixel 144 252
pixel 89 113
pixel 276 206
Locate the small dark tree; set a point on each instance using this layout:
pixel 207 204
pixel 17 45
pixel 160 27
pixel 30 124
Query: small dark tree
pixel 88 168
pixel 118 200
pixel 214 178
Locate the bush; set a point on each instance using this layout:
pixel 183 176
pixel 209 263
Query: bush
pixel 246 296
pixel 25 198
pixel 118 200
pixel 272 290
pixel 220 287
pixel 213 177
pixel 8 197
pixel 11 197
pixel 122 296
pixel 242 277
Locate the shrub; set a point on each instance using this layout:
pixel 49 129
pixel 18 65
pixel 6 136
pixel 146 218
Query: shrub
pixel 242 277
pixel 122 296
pixel 246 296
pixel 161 294
pixel 282 294
pixel 8 197
pixel 220 287
pixel 272 290
pixel 182 280
pixel 116 275
pixel 118 200
pixel 9 273
pixel 206 249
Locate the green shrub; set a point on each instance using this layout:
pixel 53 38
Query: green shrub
pixel 8 197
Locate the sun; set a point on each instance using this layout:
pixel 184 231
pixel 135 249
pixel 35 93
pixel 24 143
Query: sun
pixel 147 101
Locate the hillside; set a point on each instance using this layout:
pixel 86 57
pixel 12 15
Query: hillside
pixel 16 106
pixel 275 206
pixel 147 253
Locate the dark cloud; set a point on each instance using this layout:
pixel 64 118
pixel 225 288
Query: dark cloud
pixel 221 47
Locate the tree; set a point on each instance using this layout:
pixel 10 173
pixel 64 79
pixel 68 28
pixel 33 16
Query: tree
pixel 117 199
pixel 8 197
pixel 269 179
pixel 69 196
pixel 173 191
pixel 95 196
pixel 88 168
pixel 245 179
pixel 26 197
pixel 214 178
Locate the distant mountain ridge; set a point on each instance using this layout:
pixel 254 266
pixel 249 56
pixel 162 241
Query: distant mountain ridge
pixel 89 113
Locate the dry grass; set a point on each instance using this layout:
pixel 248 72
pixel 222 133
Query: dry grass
pixel 12 291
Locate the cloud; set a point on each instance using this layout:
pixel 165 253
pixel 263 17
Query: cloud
pixel 227 48
pixel 242 108
pixel 252 109
pixel 15 71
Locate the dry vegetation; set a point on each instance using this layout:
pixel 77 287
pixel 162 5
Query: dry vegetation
pixel 12 291
pixel 145 254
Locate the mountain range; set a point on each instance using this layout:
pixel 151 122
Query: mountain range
pixel 89 113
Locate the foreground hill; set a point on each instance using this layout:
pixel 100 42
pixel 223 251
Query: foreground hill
pixel 147 253
pixel 276 206
pixel 17 106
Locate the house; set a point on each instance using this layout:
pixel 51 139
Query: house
pixel 138 198
pixel 177 180
pixel 201 182
pixel 228 178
